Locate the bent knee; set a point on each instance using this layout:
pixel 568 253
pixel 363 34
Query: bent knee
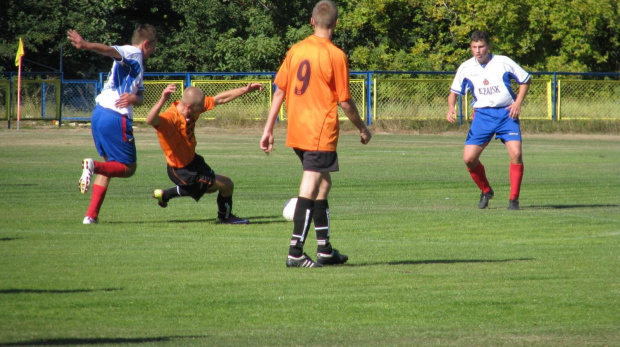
pixel 131 170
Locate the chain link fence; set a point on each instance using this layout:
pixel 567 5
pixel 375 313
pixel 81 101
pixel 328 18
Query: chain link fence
pixel 250 106
pixel 152 93
pixel 40 99
pixel 78 100
pixel 394 95
pixel 579 99
pixel 5 98
pixel 410 98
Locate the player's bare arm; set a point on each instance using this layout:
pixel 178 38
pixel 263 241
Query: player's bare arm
pixel 152 118
pixel 351 111
pixel 127 99
pixel 266 142
pixel 451 115
pixel 515 108
pixel 78 42
pixel 232 94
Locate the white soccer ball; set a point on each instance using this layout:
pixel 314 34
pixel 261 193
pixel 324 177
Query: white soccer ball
pixel 288 209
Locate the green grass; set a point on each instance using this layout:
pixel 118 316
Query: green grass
pixel 427 268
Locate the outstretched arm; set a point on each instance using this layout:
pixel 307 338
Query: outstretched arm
pixel 232 94
pixel 351 111
pixel 266 142
pixel 152 118
pixel 78 42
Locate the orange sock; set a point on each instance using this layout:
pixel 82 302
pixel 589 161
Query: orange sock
pixel 516 176
pixel 96 200
pixel 478 174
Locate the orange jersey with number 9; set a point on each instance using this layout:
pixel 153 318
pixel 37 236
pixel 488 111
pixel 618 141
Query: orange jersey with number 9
pixel 314 77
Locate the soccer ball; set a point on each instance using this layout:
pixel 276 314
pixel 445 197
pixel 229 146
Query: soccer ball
pixel 288 209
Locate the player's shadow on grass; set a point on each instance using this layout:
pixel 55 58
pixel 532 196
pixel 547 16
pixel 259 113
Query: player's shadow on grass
pixel 55 291
pixel 441 261
pixel 253 220
pixel 561 207
pixel 99 341
pixel 4 239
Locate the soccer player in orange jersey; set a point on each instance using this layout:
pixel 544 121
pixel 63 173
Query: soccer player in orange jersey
pixel 314 80
pixel 189 171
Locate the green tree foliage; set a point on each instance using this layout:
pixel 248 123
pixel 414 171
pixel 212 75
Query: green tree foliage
pixel 253 35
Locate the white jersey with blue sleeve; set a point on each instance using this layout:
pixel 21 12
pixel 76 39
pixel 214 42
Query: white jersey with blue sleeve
pixel 489 83
pixel 126 76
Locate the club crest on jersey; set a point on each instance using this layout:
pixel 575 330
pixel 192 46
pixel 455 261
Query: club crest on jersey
pixel 485 82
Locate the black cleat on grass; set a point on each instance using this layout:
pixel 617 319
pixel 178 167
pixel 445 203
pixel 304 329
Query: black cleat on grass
pixel 513 204
pixel 484 199
pixel 232 219
pixel 303 261
pixel 336 258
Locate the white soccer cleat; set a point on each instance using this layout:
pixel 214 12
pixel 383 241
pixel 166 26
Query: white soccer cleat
pixel 88 220
pixel 88 166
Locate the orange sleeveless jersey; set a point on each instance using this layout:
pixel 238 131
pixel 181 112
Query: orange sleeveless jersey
pixel 315 77
pixel 176 135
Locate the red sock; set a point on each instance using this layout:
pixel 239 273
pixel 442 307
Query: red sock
pixel 516 176
pixel 480 177
pixel 96 200
pixel 110 168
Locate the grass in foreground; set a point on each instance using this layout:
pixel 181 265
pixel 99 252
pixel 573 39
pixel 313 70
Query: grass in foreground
pixel 426 266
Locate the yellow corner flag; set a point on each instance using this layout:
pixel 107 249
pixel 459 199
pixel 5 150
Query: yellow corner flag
pixel 20 52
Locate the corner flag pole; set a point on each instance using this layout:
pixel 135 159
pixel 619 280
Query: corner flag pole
pixel 18 62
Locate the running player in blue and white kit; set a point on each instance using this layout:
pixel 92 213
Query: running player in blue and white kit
pixel 111 122
pixel 496 112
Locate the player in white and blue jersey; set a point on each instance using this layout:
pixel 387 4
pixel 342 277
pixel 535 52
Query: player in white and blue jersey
pixel 496 112
pixel 111 121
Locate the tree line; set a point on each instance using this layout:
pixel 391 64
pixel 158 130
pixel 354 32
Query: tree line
pixel 253 35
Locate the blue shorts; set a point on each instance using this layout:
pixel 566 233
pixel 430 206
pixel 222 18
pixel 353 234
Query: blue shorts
pixel 491 121
pixel 113 135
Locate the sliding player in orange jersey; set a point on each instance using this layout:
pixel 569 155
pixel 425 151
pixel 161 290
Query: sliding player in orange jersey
pixel 314 79
pixel 188 170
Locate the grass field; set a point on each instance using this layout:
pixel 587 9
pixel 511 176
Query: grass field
pixel 426 268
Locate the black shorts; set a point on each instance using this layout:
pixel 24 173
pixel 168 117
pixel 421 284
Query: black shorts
pixel 195 178
pixel 318 161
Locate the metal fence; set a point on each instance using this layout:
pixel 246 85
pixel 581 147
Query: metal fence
pixel 379 95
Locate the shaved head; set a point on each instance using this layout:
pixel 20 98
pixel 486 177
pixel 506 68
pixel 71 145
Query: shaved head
pixel 193 96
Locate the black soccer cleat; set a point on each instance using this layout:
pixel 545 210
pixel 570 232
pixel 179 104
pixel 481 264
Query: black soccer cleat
pixel 336 258
pixel 232 219
pixel 303 261
pixel 484 199
pixel 513 204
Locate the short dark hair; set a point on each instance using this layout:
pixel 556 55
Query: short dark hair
pixel 144 32
pixel 325 14
pixel 479 35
